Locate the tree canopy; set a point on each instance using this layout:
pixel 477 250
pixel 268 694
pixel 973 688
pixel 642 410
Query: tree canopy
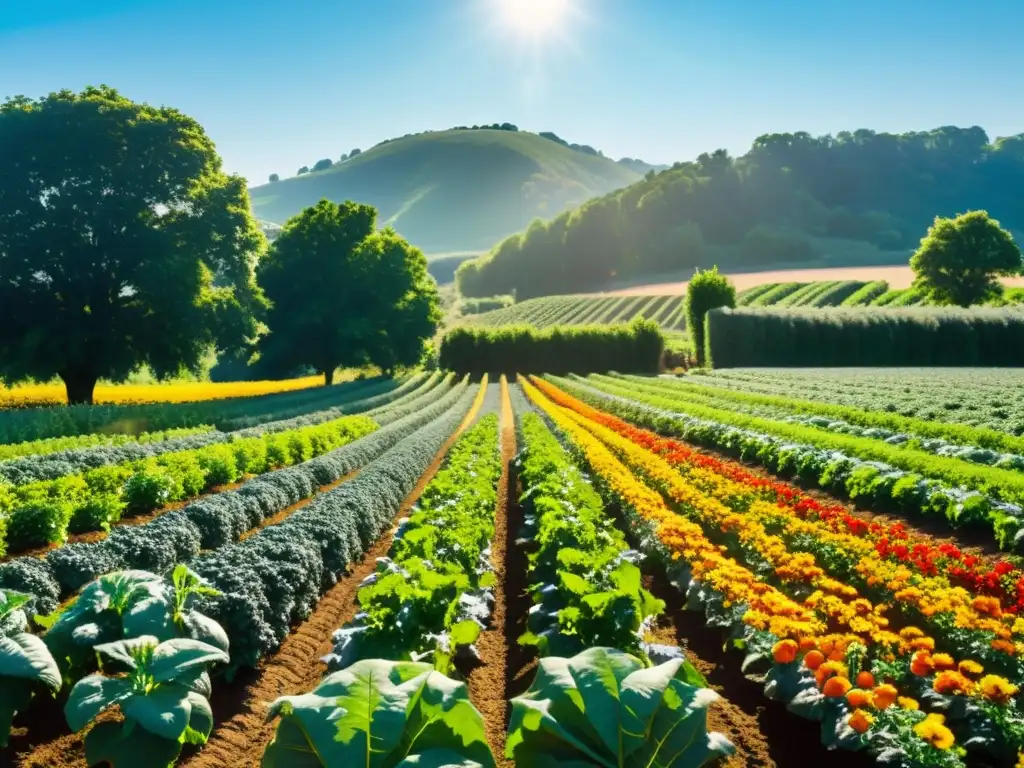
pixel 770 206
pixel 122 242
pixel 960 259
pixel 274 177
pixel 344 294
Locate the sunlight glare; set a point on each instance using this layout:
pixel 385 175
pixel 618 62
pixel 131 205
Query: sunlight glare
pixel 537 18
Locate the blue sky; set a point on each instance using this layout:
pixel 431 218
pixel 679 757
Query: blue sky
pixel 278 85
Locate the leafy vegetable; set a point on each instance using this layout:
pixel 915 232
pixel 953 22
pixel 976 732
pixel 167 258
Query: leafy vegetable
pixel 604 707
pixel 26 665
pixel 163 698
pixel 379 714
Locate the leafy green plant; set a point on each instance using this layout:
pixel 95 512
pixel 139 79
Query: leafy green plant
pixel 26 666
pixel 379 714
pixel 162 698
pixel 604 707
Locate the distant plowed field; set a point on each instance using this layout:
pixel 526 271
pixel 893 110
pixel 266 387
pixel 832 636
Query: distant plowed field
pixel 897 277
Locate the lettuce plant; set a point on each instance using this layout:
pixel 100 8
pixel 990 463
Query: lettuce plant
pixel 26 665
pixel 604 707
pixel 162 698
pixel 380 714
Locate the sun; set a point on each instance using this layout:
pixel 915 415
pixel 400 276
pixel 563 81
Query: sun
pixel 534 18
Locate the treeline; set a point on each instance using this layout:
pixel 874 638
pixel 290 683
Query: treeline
pixel 765 207
pixel 925 336
pixel 636 348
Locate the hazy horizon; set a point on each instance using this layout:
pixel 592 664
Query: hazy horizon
pixel 278 86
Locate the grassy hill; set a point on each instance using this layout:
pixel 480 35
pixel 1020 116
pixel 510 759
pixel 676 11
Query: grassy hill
pixel 459 190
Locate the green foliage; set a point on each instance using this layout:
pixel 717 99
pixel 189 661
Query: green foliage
pixel 577 349
pixel 162 697
pixel 490 181
pixel 487 304
pixel 344 294
pixel 750 337
pixel 604 707
pixel 866 294
pixel 959 259
pixel 147 272
pixel 707 290
pixel 274 178
pixel 379 714
pixel 26 666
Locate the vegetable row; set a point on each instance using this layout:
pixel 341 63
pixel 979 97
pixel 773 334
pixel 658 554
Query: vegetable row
pixel 782 586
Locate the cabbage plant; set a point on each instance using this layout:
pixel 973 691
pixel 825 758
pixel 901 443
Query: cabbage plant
pixel 162 698
pixel 604 707
pixel 380 714
pixel 26 666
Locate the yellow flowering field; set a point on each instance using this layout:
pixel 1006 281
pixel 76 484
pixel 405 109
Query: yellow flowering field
pixel 175 392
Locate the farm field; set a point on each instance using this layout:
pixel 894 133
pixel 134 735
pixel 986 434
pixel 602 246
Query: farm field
pixel 667 311
pixel 473 549
pixel 897 278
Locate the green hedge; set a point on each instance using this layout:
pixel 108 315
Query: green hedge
pixel 865 337
pixel 636 347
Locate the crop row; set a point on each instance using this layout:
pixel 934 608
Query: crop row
pixel 816 641
pixel 667 311
pixel 65 421
pixel 44 512
pixel 981 397
pixel 55 444
pixel 847 293
pixel 875 474
pixel 971 444
pixel 208 523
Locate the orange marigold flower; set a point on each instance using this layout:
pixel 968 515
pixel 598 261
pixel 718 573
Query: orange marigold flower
pixel 909 633
pixel 908 703
pixel 784 651
pixel 858 697
pixel 921 665
pixel 836 687
pixel 932 730
pixel 970 668
pixel 865 680
pixel 808 644
pixel 884 696
pixel 949 683
pixel 996 688
pixel 923 644
pixel 814 659
pixel 1004 645
pixel 829 669
pixel 943 661
pixel 860 721
pixel 989 605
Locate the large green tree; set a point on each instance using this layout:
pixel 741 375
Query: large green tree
pixel 122 242
pixel 706 290
pixel 343 294
pixel 960 260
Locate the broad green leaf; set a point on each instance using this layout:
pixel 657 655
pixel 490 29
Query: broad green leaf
pixel 604 707
pixel 575 584
pixel 15 695
pixel 175 658
pixel 125 747
pixel 127 651
pixel 26 656
pixel 200 627
pixel 200 718
pixel 464 633
pixel 151 616
pixel 91 695
pixel 164 711
pixel 438 758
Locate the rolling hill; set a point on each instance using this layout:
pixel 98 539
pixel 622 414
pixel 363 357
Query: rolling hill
pixel 457 190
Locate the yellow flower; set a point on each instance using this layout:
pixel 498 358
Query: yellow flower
pixel 996 688
pixel 908 703
pixel 970 668
pixel 932 730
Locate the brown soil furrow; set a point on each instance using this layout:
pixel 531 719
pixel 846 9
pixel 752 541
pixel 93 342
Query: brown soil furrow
pixel 487 679
pixel 296 668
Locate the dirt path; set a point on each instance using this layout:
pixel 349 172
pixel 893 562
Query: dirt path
pixel 487 679
pixel 240 707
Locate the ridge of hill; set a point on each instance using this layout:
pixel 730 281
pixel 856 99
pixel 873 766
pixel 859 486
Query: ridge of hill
pixel 456 190
pixel 794 201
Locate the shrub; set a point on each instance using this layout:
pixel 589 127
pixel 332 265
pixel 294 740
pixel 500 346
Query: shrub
pixel 706 291
pixel 147 489
pixel 37 524
pixel 487 304
pixel 925 336
pixel 97 514
pixel 636 347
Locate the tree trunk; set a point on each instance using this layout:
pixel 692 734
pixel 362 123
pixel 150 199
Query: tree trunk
pixel 329 377
pixel 79 385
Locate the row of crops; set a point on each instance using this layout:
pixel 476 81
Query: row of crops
pixel 667 311
pixel 843 293
pixel 432 572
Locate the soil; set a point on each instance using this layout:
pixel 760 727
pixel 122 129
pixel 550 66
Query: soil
pixel 896 276
pixel 762 731
pixel 487 678
pixel 241 732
